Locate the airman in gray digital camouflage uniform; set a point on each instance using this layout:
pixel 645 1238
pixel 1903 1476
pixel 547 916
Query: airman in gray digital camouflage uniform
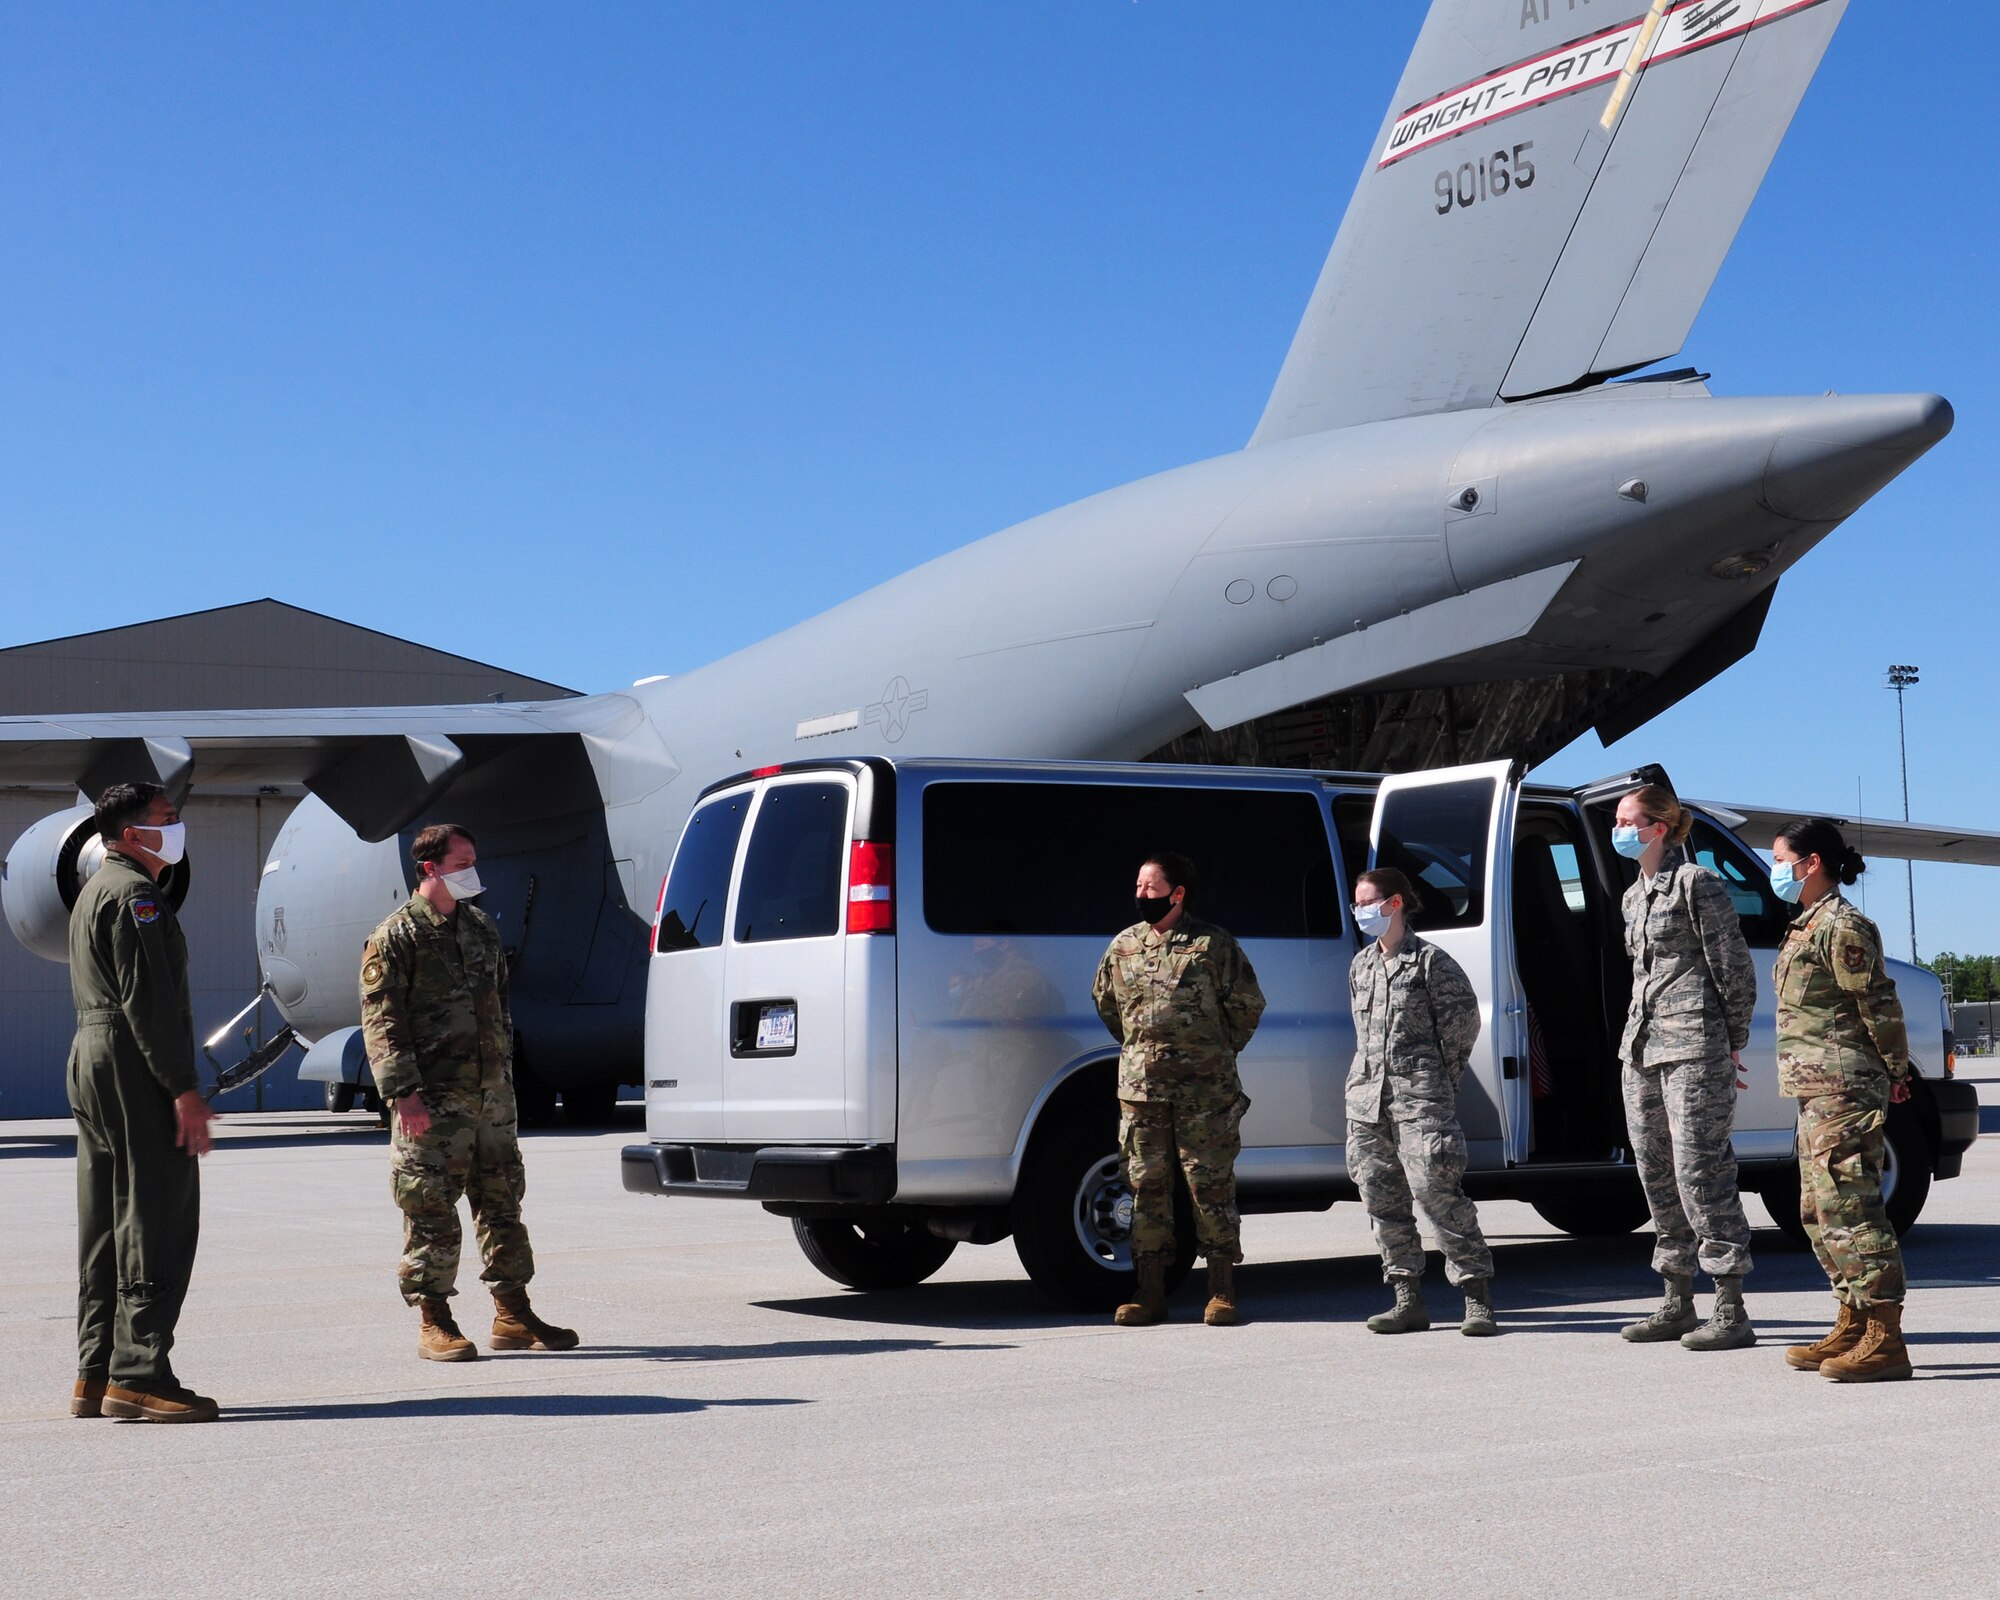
pixel 1415 1022
pixel 1693 990
pixel 1182 1000
pixel 1844 1055
pixel 440 1045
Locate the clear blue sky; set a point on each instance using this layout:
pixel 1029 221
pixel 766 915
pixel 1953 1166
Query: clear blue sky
pixel 599 341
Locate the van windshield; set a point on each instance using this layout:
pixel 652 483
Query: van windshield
pixel 1059 858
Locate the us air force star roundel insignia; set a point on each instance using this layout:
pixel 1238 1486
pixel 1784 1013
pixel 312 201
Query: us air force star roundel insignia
pixel 1854 958
pixel 145 911
pixel 371 972
pixel 893 711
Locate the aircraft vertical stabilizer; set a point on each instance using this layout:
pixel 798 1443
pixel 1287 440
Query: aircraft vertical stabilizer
pixel 1548 202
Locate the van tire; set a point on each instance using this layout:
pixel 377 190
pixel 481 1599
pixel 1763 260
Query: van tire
pixel 871 1252
pixel 1595 1216
pixel 1070 1165
pixel 1906 1178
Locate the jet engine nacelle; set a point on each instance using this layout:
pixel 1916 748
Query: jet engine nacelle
pixel 47 869
pixel 323 891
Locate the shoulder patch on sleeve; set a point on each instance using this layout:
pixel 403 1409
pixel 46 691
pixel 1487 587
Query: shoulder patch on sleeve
pixel 372 972
pixel 145 910
pixel 1854 957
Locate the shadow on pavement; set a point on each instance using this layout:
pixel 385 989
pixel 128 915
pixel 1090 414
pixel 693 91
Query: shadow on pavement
pixel 61 1145
pixel 489 1405
pixel 1541 1285
pixel 781 1349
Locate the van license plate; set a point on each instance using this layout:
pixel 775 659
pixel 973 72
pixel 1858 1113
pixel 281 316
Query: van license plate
pixel 777 1027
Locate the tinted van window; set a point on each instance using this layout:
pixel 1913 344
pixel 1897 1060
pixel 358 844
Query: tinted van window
pixel 1764 915
pixel 1059 858
pixel 1437 837
pixel 791 873
pixel 698 885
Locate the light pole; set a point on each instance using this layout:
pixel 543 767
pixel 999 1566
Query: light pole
pixel 1901 678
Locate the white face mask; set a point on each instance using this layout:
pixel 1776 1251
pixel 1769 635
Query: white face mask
pixel 173 842
pixel 463 884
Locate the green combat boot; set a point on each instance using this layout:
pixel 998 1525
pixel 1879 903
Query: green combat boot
pixel 1674 1317
pixel 439 1339
pixel 1221 1312
pixel 1150 1304
pixel 1478 1323
pixel 1849 1323
pixel 1408 1314
pixel 516 1327
pixel 1728 1326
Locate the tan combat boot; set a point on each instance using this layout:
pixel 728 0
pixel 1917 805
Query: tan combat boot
pixel 1881 1354
pixel 439 1339
pixel 1849 1324
pixel 1151 1304
pixel 87 1398
pixel 1408 1314
pixel 1221 1311
pixel 516 1327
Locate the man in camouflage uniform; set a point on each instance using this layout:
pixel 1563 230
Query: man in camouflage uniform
pixel 1415 1022
pixel 141 1121
pixel 1844 1055
pixel 1693 990
pixel 440 1045
pixel 1182 1000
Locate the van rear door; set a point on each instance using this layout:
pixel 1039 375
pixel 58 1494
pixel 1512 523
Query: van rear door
pixel 784 1021
pixel 1451 832
pixel 685 1015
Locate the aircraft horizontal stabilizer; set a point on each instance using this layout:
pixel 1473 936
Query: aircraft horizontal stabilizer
pixel 1494 615
pixel 1872 836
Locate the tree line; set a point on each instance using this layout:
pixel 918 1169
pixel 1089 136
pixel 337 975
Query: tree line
pixel 1967 977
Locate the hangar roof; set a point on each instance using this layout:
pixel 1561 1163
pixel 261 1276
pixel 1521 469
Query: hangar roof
pixel 263 654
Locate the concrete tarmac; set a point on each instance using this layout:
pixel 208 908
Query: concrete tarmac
pixel 735 1424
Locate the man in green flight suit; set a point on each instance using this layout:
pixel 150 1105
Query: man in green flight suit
pixel 441 1046
pixel 141 1121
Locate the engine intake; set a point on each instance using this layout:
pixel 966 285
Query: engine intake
pixel 47 869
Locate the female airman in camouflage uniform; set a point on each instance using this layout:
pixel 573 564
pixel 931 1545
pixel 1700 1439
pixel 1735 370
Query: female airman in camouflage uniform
pixel 1844 1055
pixel 1693 989
pixel 1415 1020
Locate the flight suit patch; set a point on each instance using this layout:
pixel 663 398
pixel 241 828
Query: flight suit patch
pixel 145 912
pixel 1854 957
pixel 371 972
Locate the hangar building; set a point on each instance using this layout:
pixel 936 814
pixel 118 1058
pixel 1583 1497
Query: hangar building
pixel 260 655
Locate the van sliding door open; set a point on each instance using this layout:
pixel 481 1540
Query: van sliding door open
pixel 1451 833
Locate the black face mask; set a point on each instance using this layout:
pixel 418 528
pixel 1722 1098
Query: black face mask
pixel 1153 908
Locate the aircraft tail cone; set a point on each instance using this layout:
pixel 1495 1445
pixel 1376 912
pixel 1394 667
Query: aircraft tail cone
pixel 1842 450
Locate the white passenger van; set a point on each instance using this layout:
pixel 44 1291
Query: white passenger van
pixel 870 1010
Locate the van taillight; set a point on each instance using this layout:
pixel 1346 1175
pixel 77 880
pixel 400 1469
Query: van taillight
pixel 871 888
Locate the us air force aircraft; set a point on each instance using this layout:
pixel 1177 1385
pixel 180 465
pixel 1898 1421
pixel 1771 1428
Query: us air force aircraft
pixel 1452 536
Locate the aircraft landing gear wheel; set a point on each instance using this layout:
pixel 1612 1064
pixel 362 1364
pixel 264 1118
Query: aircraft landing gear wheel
pixel 871 1252
pixel 593 1105
pixel 1073 1216
pixel 341 1097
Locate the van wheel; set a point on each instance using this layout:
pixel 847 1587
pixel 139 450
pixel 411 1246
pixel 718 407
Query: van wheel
pixel 340 1097
pixel 1906 1178
pixel 1595 1216
pixel 871 1253
pixel 1073 1216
